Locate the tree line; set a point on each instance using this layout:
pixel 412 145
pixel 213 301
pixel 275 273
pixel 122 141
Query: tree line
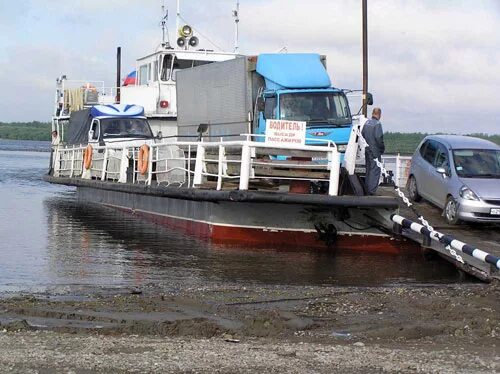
pixel 25 130
pixel 406 143
pixel 395 142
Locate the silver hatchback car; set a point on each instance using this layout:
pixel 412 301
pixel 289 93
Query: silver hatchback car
pixel 460 174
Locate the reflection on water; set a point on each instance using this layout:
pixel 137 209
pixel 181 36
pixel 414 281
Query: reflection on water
pixel 49 240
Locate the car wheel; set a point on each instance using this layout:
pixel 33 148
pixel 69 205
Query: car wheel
pixel 413 190
pixel 451 211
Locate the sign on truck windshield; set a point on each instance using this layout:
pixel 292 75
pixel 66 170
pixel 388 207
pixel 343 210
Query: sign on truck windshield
pixel 285 132
pixel 315 108
pixel 125 127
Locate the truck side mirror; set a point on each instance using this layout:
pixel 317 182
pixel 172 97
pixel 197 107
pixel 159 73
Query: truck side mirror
pixel 91 135
pixel 369 98
pixel 261 104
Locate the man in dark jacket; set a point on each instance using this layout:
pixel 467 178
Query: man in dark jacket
pixel 374 136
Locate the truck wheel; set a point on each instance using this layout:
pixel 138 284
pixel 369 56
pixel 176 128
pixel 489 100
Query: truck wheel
pixel 451 211
pixel 412 189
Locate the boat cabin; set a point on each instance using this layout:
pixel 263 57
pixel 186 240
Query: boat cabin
pixel 156 76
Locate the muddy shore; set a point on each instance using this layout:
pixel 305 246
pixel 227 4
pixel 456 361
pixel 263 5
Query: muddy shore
pixel 436 328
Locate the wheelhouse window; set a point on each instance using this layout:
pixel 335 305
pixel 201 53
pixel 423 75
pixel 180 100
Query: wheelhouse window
pixel 143 74
pixel 317 108
pixel 166 66
pixel 179 65
pixel 155 71
pixel 477 163
pixel 170 65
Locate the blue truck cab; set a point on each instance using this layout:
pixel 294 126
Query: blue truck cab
pixel 297 87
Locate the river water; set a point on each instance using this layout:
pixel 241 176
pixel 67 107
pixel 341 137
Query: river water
pixel 51 243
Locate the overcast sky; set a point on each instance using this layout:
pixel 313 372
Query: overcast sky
pixel 434 65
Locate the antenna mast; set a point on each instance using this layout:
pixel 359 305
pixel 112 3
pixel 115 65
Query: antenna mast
pixel 364 12
pixel 236 15
pixel 177 18
pixel 164 27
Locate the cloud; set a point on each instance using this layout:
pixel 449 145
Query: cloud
pixel 432 63
pixel 432 60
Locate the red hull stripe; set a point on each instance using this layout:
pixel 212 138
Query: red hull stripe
pixel 225 234
pixel 371 243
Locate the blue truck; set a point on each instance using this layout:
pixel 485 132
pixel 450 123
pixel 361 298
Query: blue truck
pixel 236 97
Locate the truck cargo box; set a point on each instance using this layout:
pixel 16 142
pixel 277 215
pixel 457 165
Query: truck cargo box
pixel 219 95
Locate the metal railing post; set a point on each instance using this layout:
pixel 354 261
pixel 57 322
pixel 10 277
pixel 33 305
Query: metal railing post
pixel 104 163
pixel 198 167
pixel 123 167
pixel 397 173
pixel 72 163
pixel 220 169
pixel 57 160
pixel 189 165
pixel 134 164
pixel 246 159
pixel 150 168
pixel 334 166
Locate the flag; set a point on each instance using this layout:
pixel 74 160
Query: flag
pixel 130 79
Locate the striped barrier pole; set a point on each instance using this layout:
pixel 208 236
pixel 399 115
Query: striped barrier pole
pixel 447 240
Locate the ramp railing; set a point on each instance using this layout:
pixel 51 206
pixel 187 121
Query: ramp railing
pixel 449 242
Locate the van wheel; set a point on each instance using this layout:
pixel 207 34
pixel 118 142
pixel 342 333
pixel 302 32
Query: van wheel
pixel 412 189
pixel 451 211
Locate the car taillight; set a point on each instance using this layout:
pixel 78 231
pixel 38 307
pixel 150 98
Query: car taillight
pixel 164 104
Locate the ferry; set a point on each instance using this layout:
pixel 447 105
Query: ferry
pixel 121 148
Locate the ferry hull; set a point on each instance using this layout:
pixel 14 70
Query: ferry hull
pixel 257 219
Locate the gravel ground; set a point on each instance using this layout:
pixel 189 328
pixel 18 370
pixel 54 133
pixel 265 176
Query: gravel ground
pixel 279 329
pixel 46 351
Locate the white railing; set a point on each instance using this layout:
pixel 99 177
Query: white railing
pixel 400 167
pixel 217 165
pixel 76 94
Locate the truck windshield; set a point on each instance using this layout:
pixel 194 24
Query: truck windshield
pixel 318 108
pixel 125 128
pixel 477 163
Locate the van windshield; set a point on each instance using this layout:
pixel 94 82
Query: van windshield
pixel 126 128
pixel 317 108
pixel 477 163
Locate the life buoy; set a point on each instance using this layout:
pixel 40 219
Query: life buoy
pixel 143 159
pixel 87 157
